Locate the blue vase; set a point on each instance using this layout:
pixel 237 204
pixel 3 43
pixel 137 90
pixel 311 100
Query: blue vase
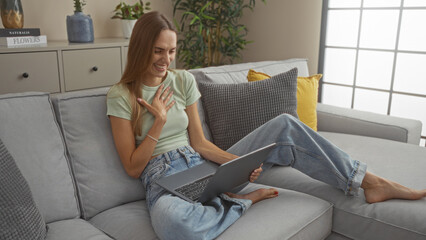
pixel 80 28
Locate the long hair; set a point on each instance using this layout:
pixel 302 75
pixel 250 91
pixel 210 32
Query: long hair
pixel 141 45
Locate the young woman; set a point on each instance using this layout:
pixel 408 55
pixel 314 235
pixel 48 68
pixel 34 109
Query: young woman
pixel 157 132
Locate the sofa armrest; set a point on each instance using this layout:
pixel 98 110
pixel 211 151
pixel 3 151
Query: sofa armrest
pixel 356 122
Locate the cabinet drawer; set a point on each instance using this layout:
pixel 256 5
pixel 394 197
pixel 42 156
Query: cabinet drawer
pixel 91 68
pixel 23 72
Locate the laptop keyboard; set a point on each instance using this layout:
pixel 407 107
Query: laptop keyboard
pixel 194 190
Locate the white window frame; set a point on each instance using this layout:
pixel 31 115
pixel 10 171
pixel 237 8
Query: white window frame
pixel 358 48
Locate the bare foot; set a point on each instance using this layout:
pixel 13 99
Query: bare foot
pixel 256 196
pixel 377 189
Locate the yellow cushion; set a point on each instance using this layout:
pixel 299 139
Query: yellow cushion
pixel 307 96
pixel 256 76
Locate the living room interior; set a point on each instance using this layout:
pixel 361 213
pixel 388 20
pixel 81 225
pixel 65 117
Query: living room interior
pixel 296 33
pixel 285 33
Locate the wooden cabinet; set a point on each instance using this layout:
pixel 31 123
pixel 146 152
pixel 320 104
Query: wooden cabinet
pixel 91 68
pixel 22 72
pixel 61 66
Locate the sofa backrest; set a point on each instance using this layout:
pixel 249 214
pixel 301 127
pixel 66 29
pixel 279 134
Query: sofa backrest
pixel 101 180
pixel 237 73
pixel 31 134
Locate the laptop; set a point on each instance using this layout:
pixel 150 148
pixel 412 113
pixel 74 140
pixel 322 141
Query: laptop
pixel 207 180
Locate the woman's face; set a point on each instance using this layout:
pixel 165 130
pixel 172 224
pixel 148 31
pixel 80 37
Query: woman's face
pixel 164 53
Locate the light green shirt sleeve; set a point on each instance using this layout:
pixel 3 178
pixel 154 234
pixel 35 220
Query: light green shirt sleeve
pixel 192 93
pixel 118 102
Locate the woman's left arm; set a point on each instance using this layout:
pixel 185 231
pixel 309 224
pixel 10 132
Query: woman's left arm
pixel 206 148
pixel 199 142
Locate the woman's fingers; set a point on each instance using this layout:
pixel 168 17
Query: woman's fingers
pixel 161 101
pixel 170 105
pixel 256 173
pixel 169 97
pixel 164 95
pixel 143 102
pixel 159 91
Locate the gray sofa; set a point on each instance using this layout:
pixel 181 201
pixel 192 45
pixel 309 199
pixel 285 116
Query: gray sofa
pixel 63 146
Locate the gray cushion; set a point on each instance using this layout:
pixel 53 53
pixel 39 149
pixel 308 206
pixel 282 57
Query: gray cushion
pixel 237 73
pixel 235 110
pixel 353 217
pixel 100 177
pixel 130 221
pixel 29 130
pixel 291 215
pixel 19 216
pixel 74 229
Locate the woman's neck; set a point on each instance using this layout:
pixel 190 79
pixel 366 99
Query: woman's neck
pixel 153 81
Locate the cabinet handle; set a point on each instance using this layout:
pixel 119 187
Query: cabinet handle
pixel 95 68
pixel 25 75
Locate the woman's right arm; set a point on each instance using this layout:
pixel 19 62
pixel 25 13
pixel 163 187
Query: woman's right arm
pixel 134 159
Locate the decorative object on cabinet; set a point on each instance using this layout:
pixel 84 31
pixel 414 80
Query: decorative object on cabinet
pixel 79 25
pixel 23 41
pixel 20 32
pixel 129 14
pixel 12 14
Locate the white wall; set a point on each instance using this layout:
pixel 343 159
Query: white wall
pixel 284 29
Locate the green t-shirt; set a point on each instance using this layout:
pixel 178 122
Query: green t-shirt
pixel 174 133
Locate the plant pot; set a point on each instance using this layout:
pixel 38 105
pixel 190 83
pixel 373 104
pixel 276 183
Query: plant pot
pixel 127 26
pixel 12 15
pixel 80 28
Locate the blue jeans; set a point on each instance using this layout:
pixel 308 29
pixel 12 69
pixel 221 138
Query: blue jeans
pixel 175 218
pixel 304 149
pixel 297 146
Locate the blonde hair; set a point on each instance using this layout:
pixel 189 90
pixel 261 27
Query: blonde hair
pixel 141 45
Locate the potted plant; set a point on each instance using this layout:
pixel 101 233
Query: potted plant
pixel 80 25
pixel 129 14
pixel 211 32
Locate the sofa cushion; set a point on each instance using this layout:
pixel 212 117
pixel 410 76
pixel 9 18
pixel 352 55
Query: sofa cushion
pixel 291 215
pixel 29 131
pixel 74 229
pixel 353 217
pixel 19 216
pixel 130 221
pixel 307 95
pixel 235 110
pixel 100 177
pixel 236 73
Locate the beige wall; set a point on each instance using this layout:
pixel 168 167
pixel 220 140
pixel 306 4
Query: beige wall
pixel 280 29
pixel 284 29
pixel 50 16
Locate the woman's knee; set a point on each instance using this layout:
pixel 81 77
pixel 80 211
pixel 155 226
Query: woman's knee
pixel 284 120
pixel 287 117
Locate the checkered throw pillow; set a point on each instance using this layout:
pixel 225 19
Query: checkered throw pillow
pixel 234 110
pixel 19 216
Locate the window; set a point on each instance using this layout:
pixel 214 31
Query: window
pixel 373 56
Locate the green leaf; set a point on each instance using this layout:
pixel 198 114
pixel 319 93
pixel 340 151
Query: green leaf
pixel 202 17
